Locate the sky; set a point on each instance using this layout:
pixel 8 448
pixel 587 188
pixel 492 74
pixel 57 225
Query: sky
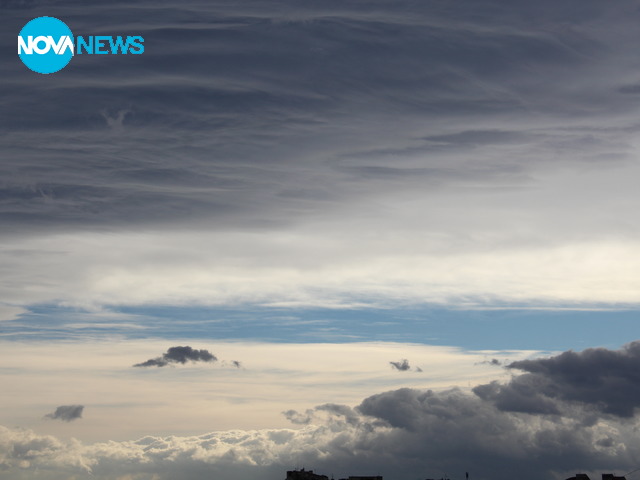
pixel 382 237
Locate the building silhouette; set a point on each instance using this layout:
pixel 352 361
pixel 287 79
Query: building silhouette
pixel 303 474
pixel 605 476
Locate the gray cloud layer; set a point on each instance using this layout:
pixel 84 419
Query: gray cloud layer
pixel 230 112
pixel 399 434
pixel 179 355
pixel 66 413
pixel 453 127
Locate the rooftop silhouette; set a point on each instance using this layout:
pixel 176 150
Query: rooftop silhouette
pixel 303 474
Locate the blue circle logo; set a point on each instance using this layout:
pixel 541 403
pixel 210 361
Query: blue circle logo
pixel 45 45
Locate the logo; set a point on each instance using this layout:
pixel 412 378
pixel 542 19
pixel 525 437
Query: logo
pixel 46 45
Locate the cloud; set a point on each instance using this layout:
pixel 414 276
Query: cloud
pixel 402 365
pixel 9 312
pixel 451 428
pixel 394 434
pixel 493 361
pixel 380 116
pixel 326 413
pixel 298 418
pixel 412 430
pixel 521 395
pixel 246 398
pixel 597 379
pixel 66 413
pixel 179 355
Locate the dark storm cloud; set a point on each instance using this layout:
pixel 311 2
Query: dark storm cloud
pixel 401 432
pixel 516 427
pixel 66 413
pixel 232 104
pixel 451 431
pixel 598 379
pixel 402 365
pixel 521 395
pixel 179 355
